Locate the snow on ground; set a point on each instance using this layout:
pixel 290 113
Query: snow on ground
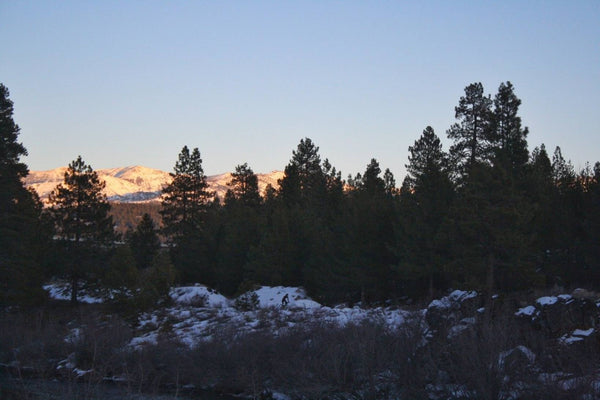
pixel 457 296
pixel 583 332
pixel 62 291
pixel 199 314
pixel 577 336
pixel 527 311
pixel 273 296
pixel 198 295
pixel 547 300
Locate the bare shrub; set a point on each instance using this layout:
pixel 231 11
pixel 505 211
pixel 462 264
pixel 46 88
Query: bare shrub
pixel 31 342
pixel 246 302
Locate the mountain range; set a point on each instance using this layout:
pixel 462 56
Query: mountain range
pixel 137 183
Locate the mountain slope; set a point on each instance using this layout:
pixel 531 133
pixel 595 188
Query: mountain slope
pixel 136 183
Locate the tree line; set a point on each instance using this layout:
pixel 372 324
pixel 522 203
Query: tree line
pixel 487 214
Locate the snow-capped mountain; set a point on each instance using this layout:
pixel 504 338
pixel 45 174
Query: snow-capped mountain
pixel 137 183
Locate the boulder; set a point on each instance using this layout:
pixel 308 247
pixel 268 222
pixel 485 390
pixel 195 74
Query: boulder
pixel 560 315
pixel 447 312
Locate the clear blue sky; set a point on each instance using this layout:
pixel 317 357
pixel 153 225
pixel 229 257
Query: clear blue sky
pixel 131 82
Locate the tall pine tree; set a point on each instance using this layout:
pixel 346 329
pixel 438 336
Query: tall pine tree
pixel 372 212
pixel 83 226
pixel 471 135
pixel 21 235
pixel 509 138
pixel 185 206
pixel 244 186
pixel 186 199
pixel 425 201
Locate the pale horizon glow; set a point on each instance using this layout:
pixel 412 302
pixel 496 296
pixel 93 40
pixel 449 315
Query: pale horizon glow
pixel 131 83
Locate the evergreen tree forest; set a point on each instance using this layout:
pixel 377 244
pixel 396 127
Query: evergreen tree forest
pixel 489 214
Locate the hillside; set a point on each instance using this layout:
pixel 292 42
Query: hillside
pixel 136 183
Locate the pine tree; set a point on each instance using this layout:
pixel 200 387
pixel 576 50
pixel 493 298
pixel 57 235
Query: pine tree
pixel 10 150
pixel 426 198
pixel 565 214
pixel 563 172
pixel 121 276
pixel 304 180
pixel 509 139
pixel 540 196
pixel 238 230
pixel 144 242
pixel 303 195
pixel 426 159
pixel 185 199
pixel 472 134
pixel 591 227
pixel 489 234
pixel 370 233
pixel 540 169
pixel 185 206
pixel 244 186
pixel 306 158
pixel 389 183
pixel 83 225
pixel 21 233
pixel 372 183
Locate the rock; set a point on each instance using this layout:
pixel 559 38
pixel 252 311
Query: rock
pixel 447 312
pixel 560 315
pixel 516 359
pixel 566 313
pixel 579 337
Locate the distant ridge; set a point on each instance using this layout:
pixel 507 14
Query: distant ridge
pixel 136 183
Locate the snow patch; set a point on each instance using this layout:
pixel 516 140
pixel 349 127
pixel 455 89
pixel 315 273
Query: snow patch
pixel 198 295
pixel 578 335
pixel 62 291
pixel 580 332
pixel 192 323
pixel 457 296
pixel 547 300
pixel 272 297
pixel 526 311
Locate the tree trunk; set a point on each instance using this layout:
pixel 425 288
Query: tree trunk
pixel 490 286
pixel 490 276
pixel 74 289
pixel 431 286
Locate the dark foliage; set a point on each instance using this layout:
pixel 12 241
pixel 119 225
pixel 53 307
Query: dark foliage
pixel 83 227
pixel 23 233
pixel 144 242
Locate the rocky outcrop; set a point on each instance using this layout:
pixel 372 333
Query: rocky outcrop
pixel 562 315
pixel 453 314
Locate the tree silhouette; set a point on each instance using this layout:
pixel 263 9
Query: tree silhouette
pixel 21 233
pixel 507 135
pixel 185 199
pixel 244 186
pixel 472 134
pixel 83 225
pixel 425 201
pixel 144 242
pixel 185 207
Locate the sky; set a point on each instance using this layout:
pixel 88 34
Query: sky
pixel 131 82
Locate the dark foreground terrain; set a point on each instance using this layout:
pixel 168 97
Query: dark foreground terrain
pixel 461 346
